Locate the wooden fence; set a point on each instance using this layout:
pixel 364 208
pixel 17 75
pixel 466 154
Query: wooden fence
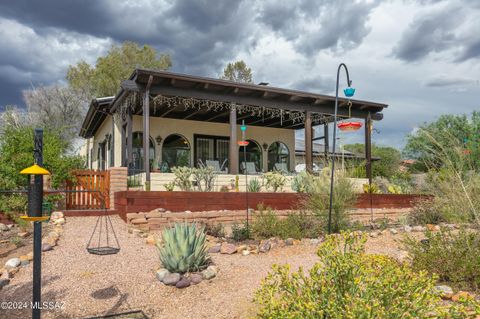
pixel 88 189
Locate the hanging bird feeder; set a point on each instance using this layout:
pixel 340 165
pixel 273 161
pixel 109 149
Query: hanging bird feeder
pixel 348 126
pixel 33 171
pixel 103 240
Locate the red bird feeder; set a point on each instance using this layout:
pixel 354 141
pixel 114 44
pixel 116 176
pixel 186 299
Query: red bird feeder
pixel 349 126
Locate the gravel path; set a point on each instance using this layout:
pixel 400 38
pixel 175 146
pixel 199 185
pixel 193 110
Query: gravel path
pixel 91 285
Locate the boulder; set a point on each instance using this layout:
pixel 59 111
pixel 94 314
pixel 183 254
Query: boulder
pixel 195 278
pixel 432 227
pixel 4 227
pixel 444 291
pixel 12 263
pixel 407 229
pixel 264 246
pixel 154 214
pixel 228 249
pixel 139 221
pixel 214 249
pixel 289 241
pixel 171 279
pixel 183 283
pixel 161 273
pixel 24 263
pixel 210 272
pixel 462 296
pixel 46 247
pixel 245 252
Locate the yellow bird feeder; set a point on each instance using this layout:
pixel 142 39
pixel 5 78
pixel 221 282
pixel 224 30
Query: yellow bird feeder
pixel 35 170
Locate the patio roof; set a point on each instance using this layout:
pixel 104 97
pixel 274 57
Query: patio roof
pixel 189 96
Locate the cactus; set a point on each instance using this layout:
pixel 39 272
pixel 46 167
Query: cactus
pixel 184 248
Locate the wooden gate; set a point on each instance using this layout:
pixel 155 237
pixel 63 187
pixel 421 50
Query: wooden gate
pixel 89 189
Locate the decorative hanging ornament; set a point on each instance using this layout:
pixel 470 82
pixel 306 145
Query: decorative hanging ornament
pixel 348 126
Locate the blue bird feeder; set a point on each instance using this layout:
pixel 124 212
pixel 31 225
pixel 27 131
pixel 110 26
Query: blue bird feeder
pixel 349 92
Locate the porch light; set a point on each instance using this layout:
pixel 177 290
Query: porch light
pixel 158 139
pixel 265 146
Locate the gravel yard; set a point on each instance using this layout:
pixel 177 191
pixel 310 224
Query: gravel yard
pixel 90 285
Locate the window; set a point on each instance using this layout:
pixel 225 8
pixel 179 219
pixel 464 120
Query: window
pixel 211 148
pixel 253 154
pixel 278 157
pixel 137 151
pixel 175 152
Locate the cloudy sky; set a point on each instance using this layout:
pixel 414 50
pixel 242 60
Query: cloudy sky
pixel 422 57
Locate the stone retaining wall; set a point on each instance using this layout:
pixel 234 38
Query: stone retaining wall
pixel 159 218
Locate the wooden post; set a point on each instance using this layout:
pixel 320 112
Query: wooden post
pixel 146 133
pixel 123 145
pixel 233 148
pixel 308 142
pixel 129 139
pixel 326 140
pixel 368 147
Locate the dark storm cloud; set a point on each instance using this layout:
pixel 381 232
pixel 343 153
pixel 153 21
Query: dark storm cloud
pixel 319 84
pixel 318 25
pixel 448 81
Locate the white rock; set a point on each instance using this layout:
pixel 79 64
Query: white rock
pixel 245 252
pixel 314 241
pixel 59 221
pixel 161 273
pixel 210 272
pixel 407 229
pixel 393 231
pixel 4 227
pixel 56 215
pixel 12 263
pixel 418 228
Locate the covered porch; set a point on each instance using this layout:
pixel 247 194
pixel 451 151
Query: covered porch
pixel 183 120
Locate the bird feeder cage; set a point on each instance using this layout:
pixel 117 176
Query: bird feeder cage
pixel 31 172
pixel 103 240
pixel 349 126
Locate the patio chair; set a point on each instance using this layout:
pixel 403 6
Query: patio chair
pixel 281 167
pixel 214 164
pixel 250 167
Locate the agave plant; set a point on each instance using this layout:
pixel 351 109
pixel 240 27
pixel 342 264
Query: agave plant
pixel 184 248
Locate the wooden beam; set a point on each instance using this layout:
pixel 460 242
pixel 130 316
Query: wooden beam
pixel 123 146
pixel 129 140
pixel 233 148
pixel 308 142
pixel 216 116
pixel 295 98
pixel 146 133
pixel 251 100
pixel 192 114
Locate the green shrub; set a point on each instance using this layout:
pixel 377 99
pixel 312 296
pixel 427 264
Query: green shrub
pixel 296 225
pixel 240 232
pixel 347 283
pixel 318 201
pixel 454 257
pixel 184 248
pixel 182 177
pixel 426 212
pixel 215 230
pixel 274 181
pixel 254 185
pixel 204 178
pixel 169 187
pixel 301 183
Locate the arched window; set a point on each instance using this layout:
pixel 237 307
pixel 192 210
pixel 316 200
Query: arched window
pixel 278 157
pixel 253 154
pixel 175 152
pixel 137 151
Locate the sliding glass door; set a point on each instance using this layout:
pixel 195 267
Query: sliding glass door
pixel 213 149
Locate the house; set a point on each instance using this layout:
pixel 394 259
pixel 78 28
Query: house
pixel 159 120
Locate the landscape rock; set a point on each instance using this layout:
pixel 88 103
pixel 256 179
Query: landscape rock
pixel 228 248
pixel 214 249
pixel 462 296
pixel 4 282
pixel 314 241
pixel 24 263
pixel 56 215
pixel 23 234
pixel 418 228
pixel 171 279
pixel 139 221
pixel 150 240
pixel 264 246
pixel 432 227
pixel 253 249
pixel 374 234
pixel 46 247
pixel 245 252
pixel 195 278
pixel 161 273
pixel 241 248
pixel 402 256
pixel 289 241
pixel 210 272
pixel 444 291
pixel 30 256
pixel 24 257
pixel 183 283
pixel 393 231
pixel 4 227
pixel 12 263
pixel 59 221
pixel 407 229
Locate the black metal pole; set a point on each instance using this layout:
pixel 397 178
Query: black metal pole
pixel 246 173
pixel 36 210
pixel 332 176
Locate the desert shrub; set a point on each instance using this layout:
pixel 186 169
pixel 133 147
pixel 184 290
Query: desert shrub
pixel 318 200
pixel 17 241
pixel 204 178
pixel 301 183
pixel 454 257
pixel 169 187
pixel 184 248
pixel 371 189
pixel 240 232
pixel 347 283
pixel 215 230
pixel 254 185
pixel 296 225
pixel 425 212
pixel 274 181
pixel 182 177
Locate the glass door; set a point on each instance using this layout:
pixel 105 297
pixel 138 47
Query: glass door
pixel 213 149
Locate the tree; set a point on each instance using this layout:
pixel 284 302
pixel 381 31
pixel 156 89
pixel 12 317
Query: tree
pixel 389 159
pixel 104 78
pixel 237 72
pixel 445 136
pixel 57 108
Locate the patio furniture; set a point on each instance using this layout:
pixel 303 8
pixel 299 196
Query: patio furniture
pixel 216 165
pixel 281 167
pixel 250 167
